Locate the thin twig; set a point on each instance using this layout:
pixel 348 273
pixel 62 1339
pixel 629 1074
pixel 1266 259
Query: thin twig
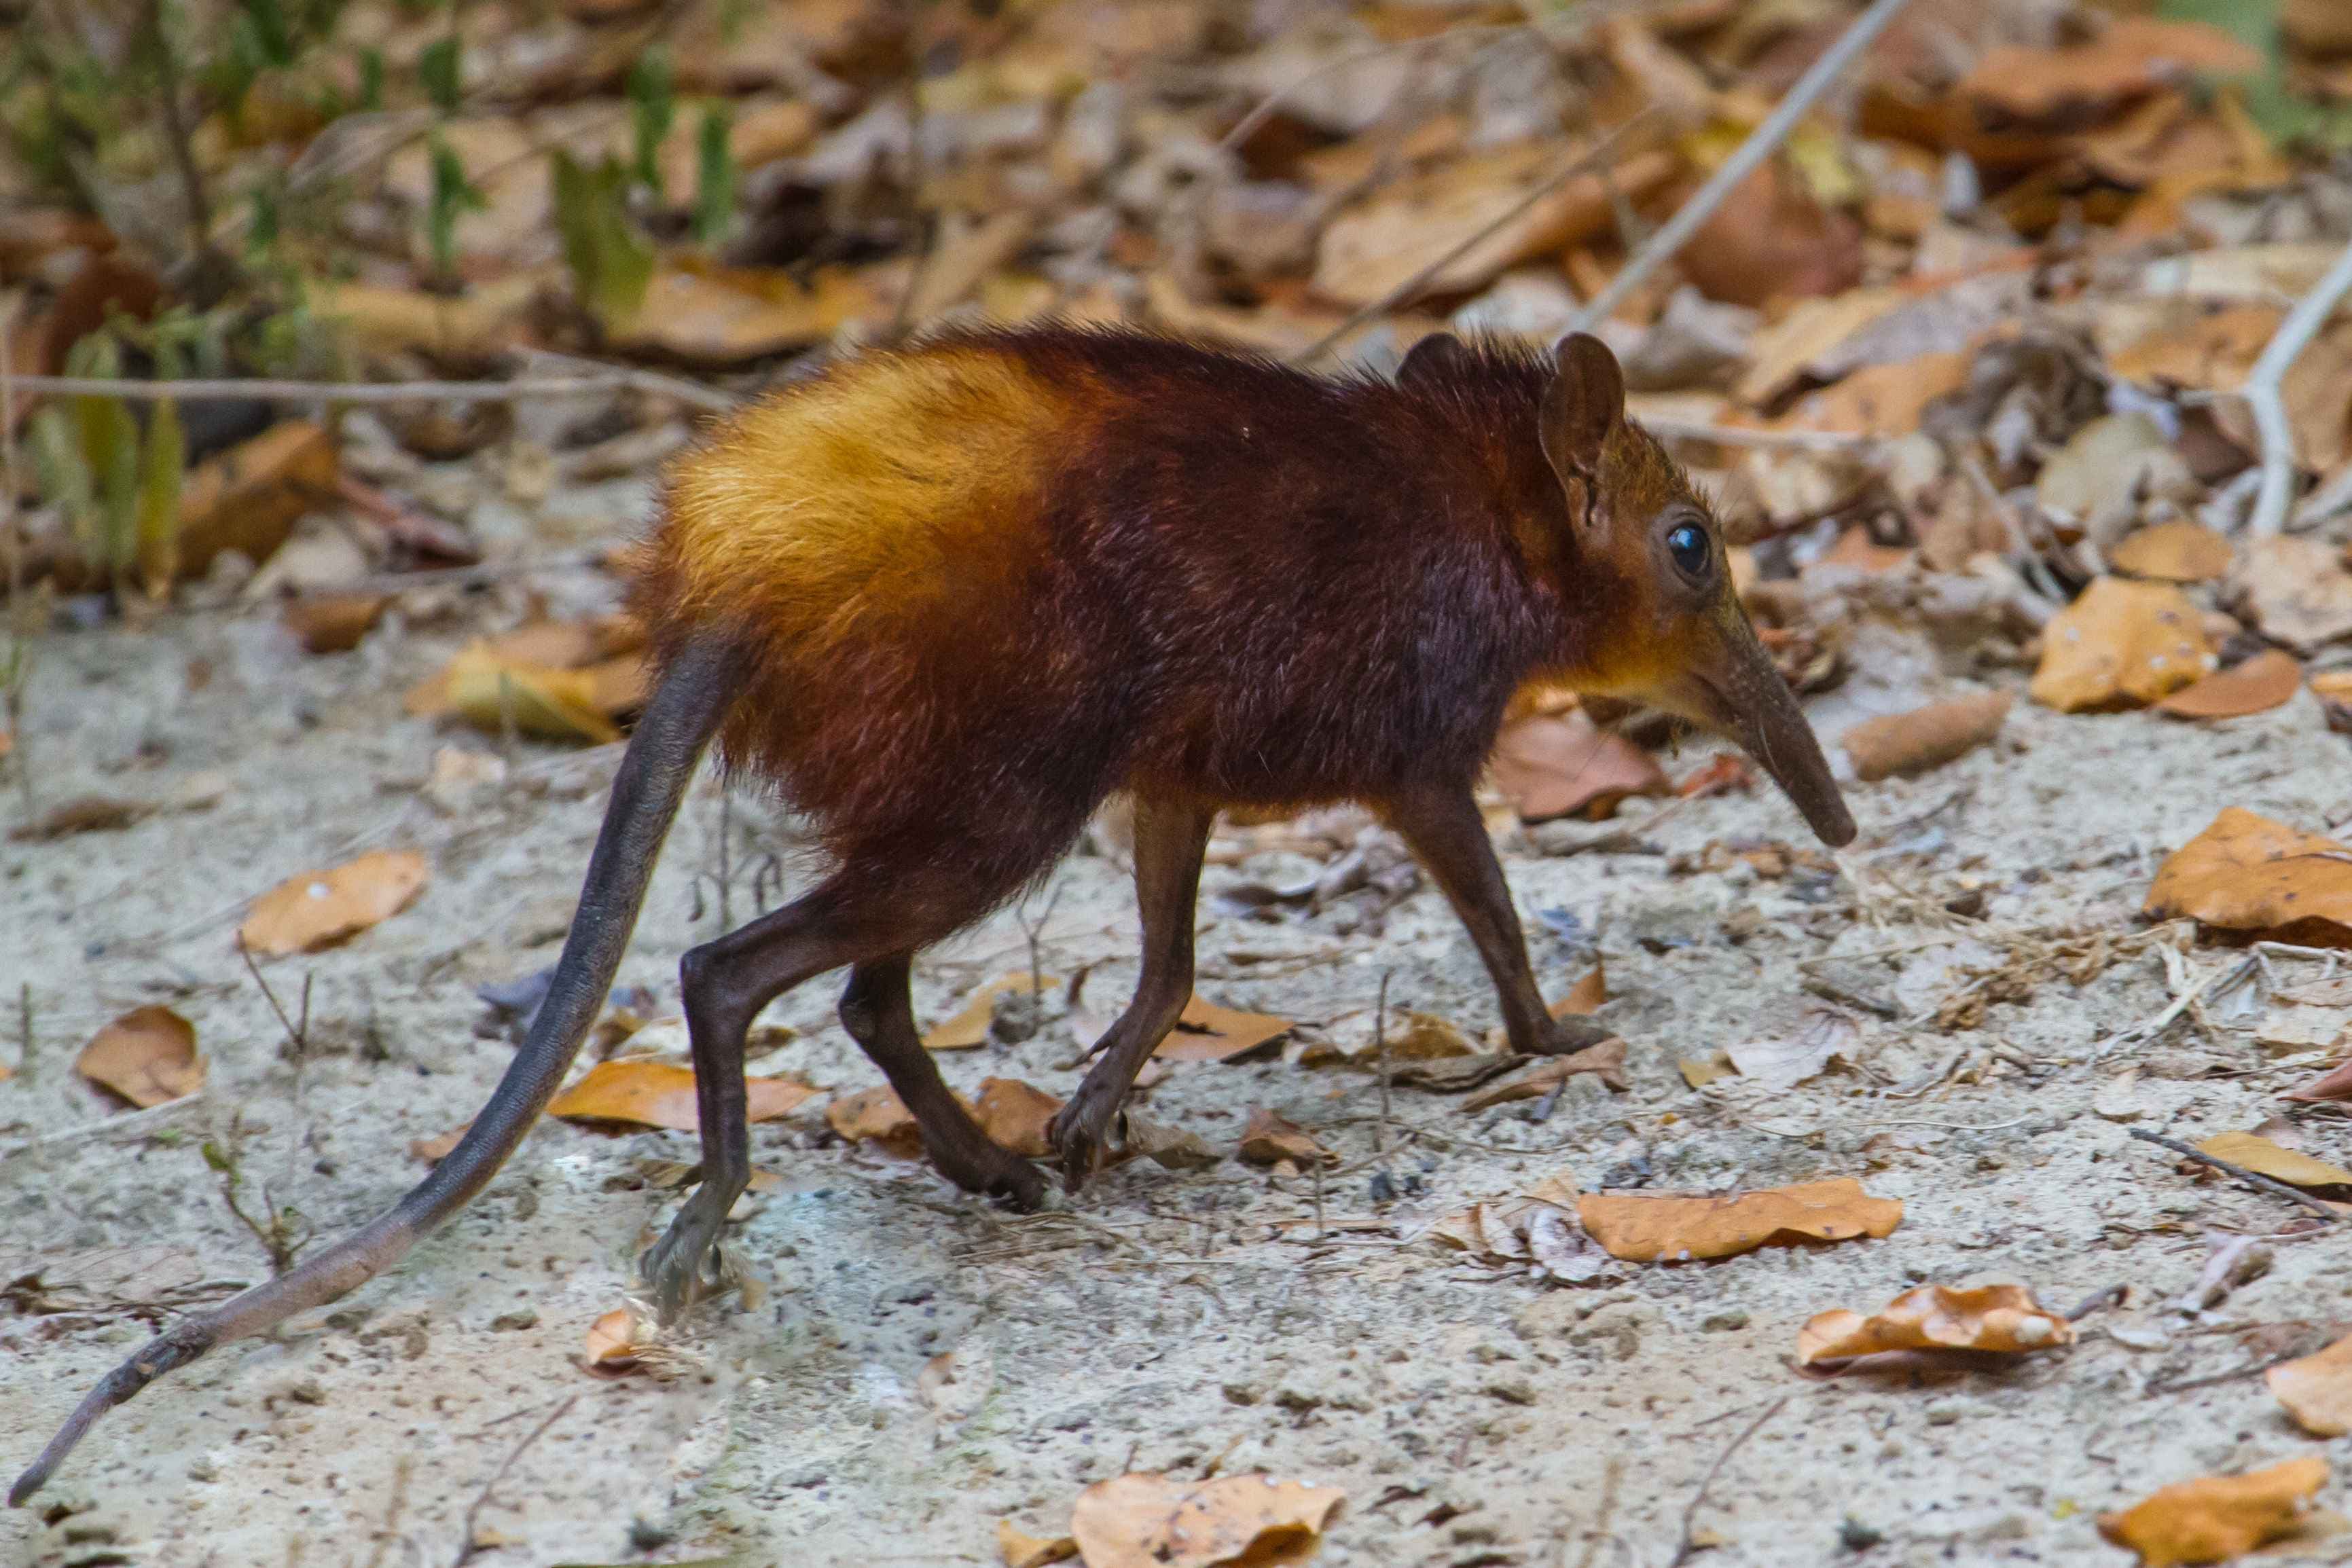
pixel 128 1121
pixel 1379 1053
pixel 2263 392
pixel 465 1549
pixel 229 389
pixel 1742 436
pixel 2251 1178
pixel 1405 292
pixel 1687 1546
pixel 1246 127
pixel 1678 229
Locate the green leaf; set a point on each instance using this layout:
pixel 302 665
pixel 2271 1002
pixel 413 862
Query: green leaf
pixel 452 195
pixel 270 29
pixel 161 466
pixel 714 173
pixel 370 81
pixel 611 262
pixel 65 480
pixel 436 66
pixel 652 109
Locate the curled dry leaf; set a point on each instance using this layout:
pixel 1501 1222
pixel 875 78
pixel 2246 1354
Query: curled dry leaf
pixel 1021 1550
pixel 1925 737
pixel 1643 1230
pixel 1207 1032
pixel 1586 997
pixel 661 1095
pixel 83 814
pixel 2263 682
pixel 494 695
pixel 319 908
pixel 2121 644
pixel 2247 873
pixel 2318 1390
pixel 1425 1037
pixel 433 1150
pixel 1607 1060
pixel 1783 1061
pixel 1015 1114
pixel 2173 551
pixel 2215 1518
pixel 2002 1318
pixel 2128 61
pixel 147 1056
pixel 2263 1157
pixel 1173 1147
pixel 1159 1521
pixel 1538 1230
pixel 967 1026
pixel 615 1341
pixel 877 1116
pixel 250 498
pixel 334 623
pixel 1552 767
pixel 1271 1137
pixel 2295 589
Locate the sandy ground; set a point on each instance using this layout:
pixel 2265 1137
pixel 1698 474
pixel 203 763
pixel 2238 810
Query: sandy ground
pixel 1165 1321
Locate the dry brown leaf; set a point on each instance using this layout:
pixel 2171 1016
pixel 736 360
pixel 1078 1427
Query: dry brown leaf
pixel 433 1150
pixel 334 623
pixel 2294 589
pixel 2261 1155
pixel 2130 59
pixel 1271 1137
pixel 2247 873
pixel 1370 249
pixel 1880 400
pixel 2318 1390
pixel 2214 1518
pixel 248 497
pixel 1925 737
pixel 147 1056
pixel 724 316
pixel 878 1115
pixel 1644 1229
pixel 1785 351
pixel 486 318
pixel 1607 1060
pixel 1207 1032
pixel 1174 1148
pixel 1425 1036
pixel 967 1026
pixel 2002 1318
pixel 1778 1063
pixel 83 814
pixel 1159 1521
pixel 1772 238
pixel 1586 997
pixel 492 694
pixel 319 908
pixel 1552 767
pixel 661 1095
pixel 2173 551
pixel 2121 644
pixel 1014 1115
pixel 1536 1230
pixel 1021 1550
pixel 1700 1072
pixel 612 1343
pixel 2263 682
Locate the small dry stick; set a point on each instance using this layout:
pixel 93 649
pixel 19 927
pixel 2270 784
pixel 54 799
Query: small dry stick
pixel 1678 229
pixel 230 389
pixel 1034 933
pixel 1379 1051
pixel 465 1549
pixel 25 1068
pixel 2251 1178
pixel 1610 1474
pixel 2263 392
pixel 1687 1547
pixel 1405 292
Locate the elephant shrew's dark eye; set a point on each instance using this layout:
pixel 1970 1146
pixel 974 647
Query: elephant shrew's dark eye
pixel 1687 544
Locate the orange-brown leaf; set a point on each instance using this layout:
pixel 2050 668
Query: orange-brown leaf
pixel 2263 682
pixel 2265 1158
pixel 2127 60
pixel 1271 1137
pixel 1015 1114
pixel 319 908
pixel 2246 872
pixel 968 1027
pixel 1021 1550
pixel 612 1343
pixel 1584 998
pixel 1607 1060
pixel 334 623
pixel 1207 1032
pixel 147 1056
pixel 1160 1521
pixel 2121 644
pixel 661 1095
pixel 2177 551
pixel 2215 1518
pixel 1645 1229
pixel 2318 1390
pixel 2004 1318
pixel 1925 737
pixel 1552 767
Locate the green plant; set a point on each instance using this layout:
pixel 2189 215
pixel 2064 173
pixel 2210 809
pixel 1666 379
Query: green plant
pixel 714 166
pixel 652 110
pixel 117 485
pixel 611 262
pixel 453 195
